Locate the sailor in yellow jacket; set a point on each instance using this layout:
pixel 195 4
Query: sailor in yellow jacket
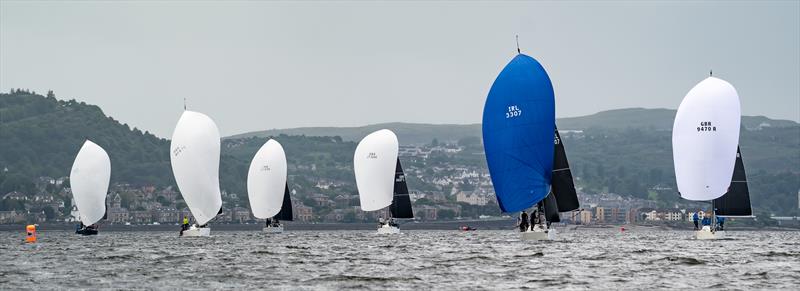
pixel 185 224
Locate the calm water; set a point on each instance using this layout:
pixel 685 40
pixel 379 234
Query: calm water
pixel 444 260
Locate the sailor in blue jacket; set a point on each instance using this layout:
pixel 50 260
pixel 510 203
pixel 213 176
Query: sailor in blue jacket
pixel 696 219
pixel 706 221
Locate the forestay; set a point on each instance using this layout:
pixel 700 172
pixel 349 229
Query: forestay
pixel 705 136
pixel 266 180
pixel 89 180
pixel 194 154
pixel 374 164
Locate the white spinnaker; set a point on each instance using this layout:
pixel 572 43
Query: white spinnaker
pixel 88 180
pixel 374 164
pixel 266 180
pixel 704 139
pixel 194 154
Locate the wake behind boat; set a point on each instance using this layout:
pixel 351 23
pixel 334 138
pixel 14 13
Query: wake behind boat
pixel 89 178
pixel 380 179
pixel 194 155
pixel 267 188
pixel 705 138
pixel 522 146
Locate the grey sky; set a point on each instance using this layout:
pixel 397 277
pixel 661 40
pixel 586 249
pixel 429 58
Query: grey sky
pixel 257 65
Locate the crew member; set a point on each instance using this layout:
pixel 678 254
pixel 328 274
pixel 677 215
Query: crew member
pixel 523 221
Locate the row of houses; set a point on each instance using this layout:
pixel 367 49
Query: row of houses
pixel 617 215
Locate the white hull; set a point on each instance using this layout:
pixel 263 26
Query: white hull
pixel 387 229
pixel 273 229
pixel 539 234
pixel 706 233
pixel 197 231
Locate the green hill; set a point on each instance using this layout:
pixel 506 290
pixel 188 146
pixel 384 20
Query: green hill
pixel 624 151
pixel 40 136
pixel 409 133
pixel 419 133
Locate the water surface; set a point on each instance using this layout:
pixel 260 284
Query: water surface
pixel 424 260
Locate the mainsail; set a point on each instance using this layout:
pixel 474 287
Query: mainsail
pixel 89 180
pixel 194 155
pixel 374 164
pixel 401 202
pixel 518 126
pixel 705 136
pixel 736 202
pixel 265 177
pixel 563 188
pixel 286 207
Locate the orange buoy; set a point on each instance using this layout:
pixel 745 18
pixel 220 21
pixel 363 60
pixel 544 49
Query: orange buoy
pixel 31 230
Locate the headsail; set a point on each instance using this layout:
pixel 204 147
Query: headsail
pixel 89 180
pixel 551 208
pixel 194 155
pixel 265 177
pixel 374 164
pixel 286 208
pixel 518 125
pixel 704 139
pixel 401 202
pixel 736 202
pixel 563 186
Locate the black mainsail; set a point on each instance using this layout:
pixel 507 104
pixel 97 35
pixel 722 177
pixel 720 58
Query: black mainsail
pixel 401 203
pixel 563 188
pixel 286 207
pixel 735 202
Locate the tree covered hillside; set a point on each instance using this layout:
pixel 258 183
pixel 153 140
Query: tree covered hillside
pixel 40 136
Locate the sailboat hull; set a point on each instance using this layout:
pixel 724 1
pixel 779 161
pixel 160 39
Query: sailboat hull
pixel 387 229
pixel 273 229
pixel 197 232
pixel 707 234
pixel 86 231
pixel 539 234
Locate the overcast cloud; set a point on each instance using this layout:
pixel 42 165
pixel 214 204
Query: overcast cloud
pixel 256 65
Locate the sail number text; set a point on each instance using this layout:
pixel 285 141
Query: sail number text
pixel 706 126
pixel 513 111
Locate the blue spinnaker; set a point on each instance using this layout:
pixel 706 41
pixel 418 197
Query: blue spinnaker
pixel 518 125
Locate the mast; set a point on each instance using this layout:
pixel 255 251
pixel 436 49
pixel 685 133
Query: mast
pixel 713 216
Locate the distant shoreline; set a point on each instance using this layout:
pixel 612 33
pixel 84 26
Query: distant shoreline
pixel 444 225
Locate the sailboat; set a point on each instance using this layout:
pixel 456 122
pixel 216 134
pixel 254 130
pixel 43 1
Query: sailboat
pixel 522 147
pixel 89 180
pixel 268 199
pixel 194 155
pixel 705 139
pixel 380 179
